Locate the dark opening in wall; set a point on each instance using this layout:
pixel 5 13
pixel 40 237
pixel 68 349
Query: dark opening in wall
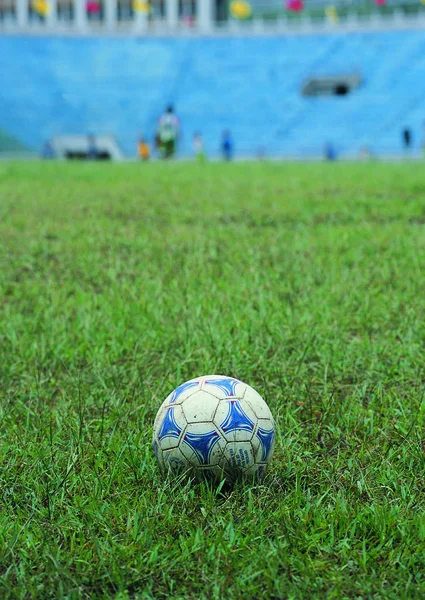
pixel 342 90
pixel 331 85
pixel 81 155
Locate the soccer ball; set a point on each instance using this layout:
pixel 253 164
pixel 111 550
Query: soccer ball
pixel 214 427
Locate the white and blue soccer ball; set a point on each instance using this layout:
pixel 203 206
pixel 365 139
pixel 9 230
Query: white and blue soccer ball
pixel 214 427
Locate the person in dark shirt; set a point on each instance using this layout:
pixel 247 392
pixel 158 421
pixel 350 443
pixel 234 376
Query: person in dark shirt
pixel 407 139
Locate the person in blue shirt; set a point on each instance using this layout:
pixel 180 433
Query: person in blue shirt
pixel 330 152
pixel 227 146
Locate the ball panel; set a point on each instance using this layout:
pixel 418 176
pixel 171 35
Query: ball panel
pixel 212 473
pixel 263 440
pixel 200 407
pixel 174 461
pixel 170 427
pixel 158 418
pixel 256 472
pixel 183 391
pixel 258 405
pixel 235 419
pixel 223 387
pixel 238 457
pixel 256 445
pixel 202 444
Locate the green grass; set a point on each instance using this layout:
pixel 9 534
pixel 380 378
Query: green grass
pixel 117 283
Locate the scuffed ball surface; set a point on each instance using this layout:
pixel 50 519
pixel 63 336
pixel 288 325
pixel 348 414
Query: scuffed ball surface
pixel 214 427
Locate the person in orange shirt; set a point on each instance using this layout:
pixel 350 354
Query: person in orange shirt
pixel 143 149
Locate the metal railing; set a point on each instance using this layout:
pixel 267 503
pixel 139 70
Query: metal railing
pixel 141 17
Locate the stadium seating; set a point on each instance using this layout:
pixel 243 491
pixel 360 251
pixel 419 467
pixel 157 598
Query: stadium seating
pixel 118 86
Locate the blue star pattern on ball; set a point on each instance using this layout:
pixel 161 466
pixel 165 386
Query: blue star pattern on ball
pixel 169 427
pixel 202 444
pixel 236 418
pixel 226 385
pixel 266 438
pixel 179 390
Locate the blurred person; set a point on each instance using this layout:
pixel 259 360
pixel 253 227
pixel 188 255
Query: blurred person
pixel 47 151
pixel 143 149
pixel 407 139
pixel 92 153
pixel 227 146
pixel 198 147
pixel 168 133
pixel 330 152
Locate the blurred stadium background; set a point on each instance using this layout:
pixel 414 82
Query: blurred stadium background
pixel 286 78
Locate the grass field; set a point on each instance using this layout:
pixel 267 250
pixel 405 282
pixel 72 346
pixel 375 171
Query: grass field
pixel 117 283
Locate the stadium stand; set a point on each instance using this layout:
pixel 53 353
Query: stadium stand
pixel 251 85
pixel 174 15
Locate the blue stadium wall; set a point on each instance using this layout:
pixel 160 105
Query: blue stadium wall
pixel 250 85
